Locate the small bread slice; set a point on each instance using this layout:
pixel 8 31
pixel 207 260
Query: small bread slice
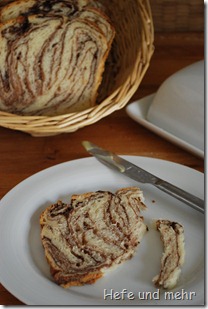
pixel 172 235
pixel 96 231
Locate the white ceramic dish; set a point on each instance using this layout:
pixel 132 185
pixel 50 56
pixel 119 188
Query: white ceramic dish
pixel 138 111
pixel 176 110
pixel 25 273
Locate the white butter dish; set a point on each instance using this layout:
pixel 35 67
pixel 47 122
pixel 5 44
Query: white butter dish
pixel 176 110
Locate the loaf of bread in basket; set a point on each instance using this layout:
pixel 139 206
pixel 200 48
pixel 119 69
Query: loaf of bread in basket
pixel 132 33
pixel 52 56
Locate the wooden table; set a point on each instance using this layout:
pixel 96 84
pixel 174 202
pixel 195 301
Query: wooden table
pixel 22 155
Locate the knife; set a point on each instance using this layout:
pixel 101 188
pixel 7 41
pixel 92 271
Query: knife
pixel 137 173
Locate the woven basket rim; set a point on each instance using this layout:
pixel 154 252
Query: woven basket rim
pixel 52 125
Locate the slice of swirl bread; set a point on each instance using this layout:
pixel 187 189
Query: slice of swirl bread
pixel 96 231
pixel 50 65
pixel 172 235
pixel 52 62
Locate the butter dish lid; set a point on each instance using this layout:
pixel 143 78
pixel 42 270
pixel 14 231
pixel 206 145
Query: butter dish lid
pixel 178 105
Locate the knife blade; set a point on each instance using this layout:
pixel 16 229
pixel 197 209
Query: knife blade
pixel 137 173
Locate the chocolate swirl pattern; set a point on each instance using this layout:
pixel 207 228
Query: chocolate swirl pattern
pixel 52 62
pixel 96 231
pixel 42 7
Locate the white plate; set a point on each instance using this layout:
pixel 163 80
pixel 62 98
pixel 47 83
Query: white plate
pixel 25 273
pixel 138 111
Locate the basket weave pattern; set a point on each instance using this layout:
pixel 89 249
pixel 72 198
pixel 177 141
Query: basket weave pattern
pixel 131 51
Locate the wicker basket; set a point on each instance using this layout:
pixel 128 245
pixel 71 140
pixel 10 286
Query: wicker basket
pixel 132 49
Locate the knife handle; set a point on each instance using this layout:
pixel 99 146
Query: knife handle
pixel 181 195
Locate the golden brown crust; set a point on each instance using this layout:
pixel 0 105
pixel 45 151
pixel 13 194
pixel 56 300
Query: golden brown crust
pixel 85 279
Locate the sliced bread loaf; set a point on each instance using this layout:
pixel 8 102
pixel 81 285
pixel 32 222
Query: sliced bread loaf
pixel 50 65
pixel 52 56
